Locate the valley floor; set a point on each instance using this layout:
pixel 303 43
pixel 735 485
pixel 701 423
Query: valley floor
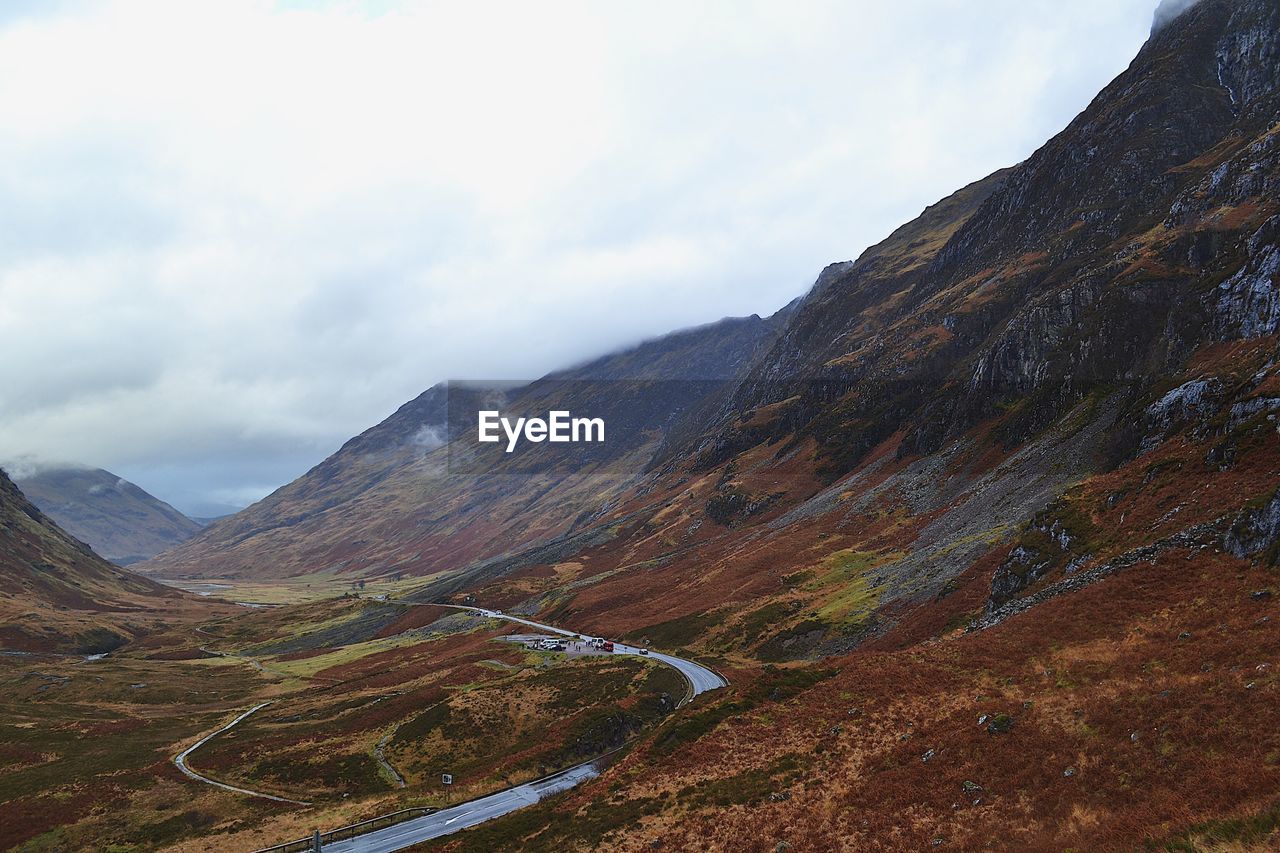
pixel 1141 710
pixel 369 703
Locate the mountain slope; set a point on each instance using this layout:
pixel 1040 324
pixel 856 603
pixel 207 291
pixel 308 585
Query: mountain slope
pixel 1004 492
pixel 117 519
pixel 1024 503
pixel 1002 373
pixel 1070 272
pixel 57 594
pixel 952 400
pixel 396 499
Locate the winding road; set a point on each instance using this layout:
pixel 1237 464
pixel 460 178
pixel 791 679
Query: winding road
pixel 464 815
pixel 699 677
pixel 180 761
pixel 475 812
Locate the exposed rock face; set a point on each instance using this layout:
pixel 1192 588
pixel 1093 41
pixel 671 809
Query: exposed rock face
pixel 1254 532
pixel 1200 536
pixel 1078 269
pixel 1190 402
pixel 1257 532
pixel 1248 304
pixel 1018 360
pixel 1024 567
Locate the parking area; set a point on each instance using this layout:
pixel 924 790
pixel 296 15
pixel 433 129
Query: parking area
pixel 573 647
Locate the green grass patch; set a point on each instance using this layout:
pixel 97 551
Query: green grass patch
pixel 755 623
pixel 679 632
pixel 841 567
pixel 855 599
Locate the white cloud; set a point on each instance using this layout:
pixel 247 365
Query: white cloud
pixel 233 234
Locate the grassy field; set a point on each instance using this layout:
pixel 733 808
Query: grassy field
pixel 85 749
pixel 297 590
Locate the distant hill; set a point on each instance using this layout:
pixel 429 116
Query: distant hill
pixel 58 595
pixel 119 520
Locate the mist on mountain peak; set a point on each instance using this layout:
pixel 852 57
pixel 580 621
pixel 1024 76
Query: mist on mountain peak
pixel 1167 11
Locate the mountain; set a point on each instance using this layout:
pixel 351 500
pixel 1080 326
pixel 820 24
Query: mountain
pixel 399 499
pixel 113 516
pixel 1003 494
pixel 1012 396
pixel 56 594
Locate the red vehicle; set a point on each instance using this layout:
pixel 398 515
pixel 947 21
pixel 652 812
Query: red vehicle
pixel 608 646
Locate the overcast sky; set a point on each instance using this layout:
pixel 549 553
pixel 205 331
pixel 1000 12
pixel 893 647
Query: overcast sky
pixel 233 233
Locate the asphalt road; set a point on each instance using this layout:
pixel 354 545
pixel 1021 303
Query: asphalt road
pixel 699 677
pixel 475 812
pixel 460 817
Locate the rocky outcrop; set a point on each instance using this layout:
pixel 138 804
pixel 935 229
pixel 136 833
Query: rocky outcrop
pixel 1131 238
pixel 1252 533
pixel 1199 537
pixel 1256 532
pixel 1019 358
pixel 1190 402
pixel 1248 303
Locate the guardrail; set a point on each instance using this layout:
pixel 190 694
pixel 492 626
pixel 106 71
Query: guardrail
pixel 689 694
pixel 344 833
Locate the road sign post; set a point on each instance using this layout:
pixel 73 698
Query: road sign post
pixel 446 779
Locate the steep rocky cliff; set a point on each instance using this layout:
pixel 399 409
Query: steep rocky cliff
pixel 976 406
pixel 1097 261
